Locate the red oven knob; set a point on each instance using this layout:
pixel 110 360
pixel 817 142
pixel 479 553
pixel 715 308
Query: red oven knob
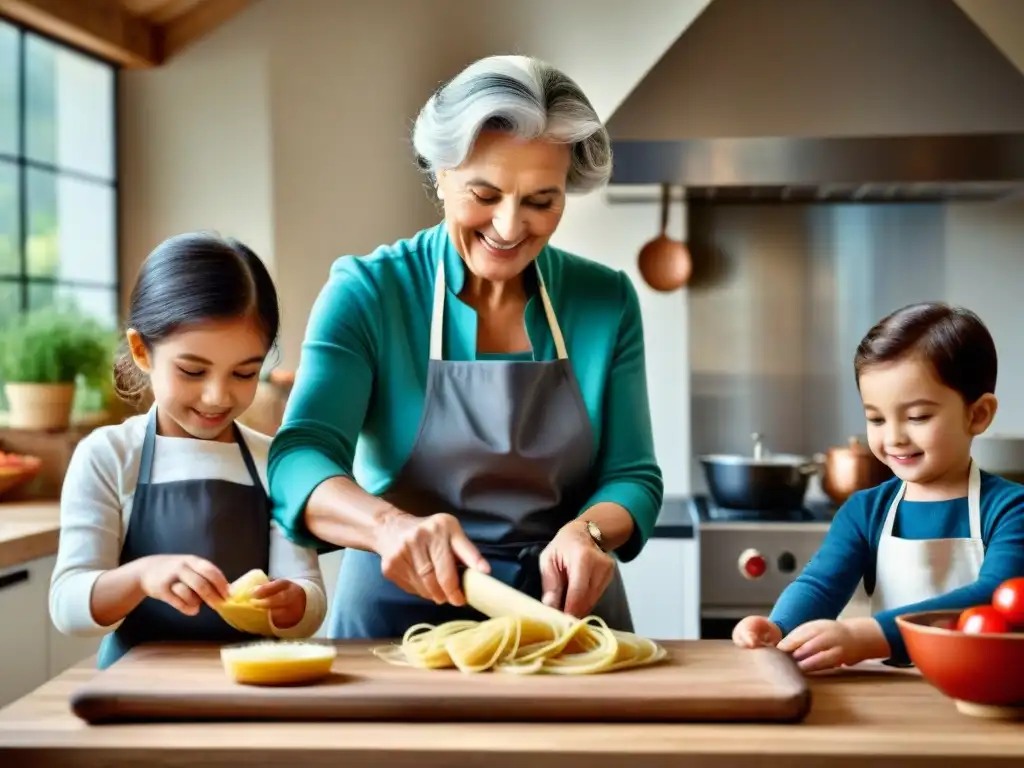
pixel 752 565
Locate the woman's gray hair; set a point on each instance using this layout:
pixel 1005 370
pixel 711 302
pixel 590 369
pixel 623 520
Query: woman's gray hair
pixel 523 96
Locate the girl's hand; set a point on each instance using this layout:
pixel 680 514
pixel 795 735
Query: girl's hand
pixel 421 555
pixel 574 571
pixel 755 632
pixel 184 582
pixel 824 644
pixel 285 600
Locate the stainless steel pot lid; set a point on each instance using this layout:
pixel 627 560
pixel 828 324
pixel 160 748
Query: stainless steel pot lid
pixel 761 458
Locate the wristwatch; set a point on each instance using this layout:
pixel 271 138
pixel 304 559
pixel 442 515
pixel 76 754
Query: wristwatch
pixel 595 533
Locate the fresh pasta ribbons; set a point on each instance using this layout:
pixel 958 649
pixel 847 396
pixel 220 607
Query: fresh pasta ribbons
pixel 521 636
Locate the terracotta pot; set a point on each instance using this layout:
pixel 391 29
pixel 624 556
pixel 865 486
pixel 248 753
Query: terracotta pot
pixel 850 468
pixel 40 407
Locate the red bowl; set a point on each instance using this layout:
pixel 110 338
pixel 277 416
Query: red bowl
pixel 983 674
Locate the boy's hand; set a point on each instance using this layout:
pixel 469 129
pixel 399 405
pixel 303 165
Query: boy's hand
pixel 825 644
pixel 285 600
pixel 755 632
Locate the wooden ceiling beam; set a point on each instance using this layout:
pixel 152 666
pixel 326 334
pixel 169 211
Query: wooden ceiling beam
pixel 106 29
pixel 102 27
pixel 180 32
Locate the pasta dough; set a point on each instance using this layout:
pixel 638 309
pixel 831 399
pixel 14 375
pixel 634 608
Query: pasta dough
pixel 521 636
pixel 278 662
pixel 240 612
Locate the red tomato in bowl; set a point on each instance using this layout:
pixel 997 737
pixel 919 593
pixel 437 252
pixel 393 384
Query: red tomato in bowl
pixel 982 620
pixel 1008 599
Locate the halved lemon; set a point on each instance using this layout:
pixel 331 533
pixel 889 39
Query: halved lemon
pixel 278 663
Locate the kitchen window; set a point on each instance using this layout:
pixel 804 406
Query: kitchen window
pixel 58 178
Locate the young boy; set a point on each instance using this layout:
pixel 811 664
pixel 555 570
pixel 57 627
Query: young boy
pixel 940 535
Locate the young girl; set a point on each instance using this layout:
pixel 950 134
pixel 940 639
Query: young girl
pixel 940 535
pixel 161 512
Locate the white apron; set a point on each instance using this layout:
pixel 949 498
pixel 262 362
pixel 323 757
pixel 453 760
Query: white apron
pixel 911 570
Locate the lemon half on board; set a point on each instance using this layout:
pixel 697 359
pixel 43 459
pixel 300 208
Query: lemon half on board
pixel 278 663
pixel 238 610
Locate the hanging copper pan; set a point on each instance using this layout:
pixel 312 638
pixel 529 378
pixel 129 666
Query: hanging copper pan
pixel 665 263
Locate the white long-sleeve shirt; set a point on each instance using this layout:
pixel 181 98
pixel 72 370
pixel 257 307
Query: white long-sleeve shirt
pixel 96 505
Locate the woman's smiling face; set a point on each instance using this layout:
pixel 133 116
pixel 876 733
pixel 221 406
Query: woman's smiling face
pixel 503 204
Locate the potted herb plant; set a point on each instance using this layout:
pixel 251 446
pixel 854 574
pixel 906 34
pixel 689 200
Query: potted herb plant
pixel 44 356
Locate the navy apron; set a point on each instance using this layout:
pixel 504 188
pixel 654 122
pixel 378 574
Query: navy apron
pixel 221 521
pixel 506 447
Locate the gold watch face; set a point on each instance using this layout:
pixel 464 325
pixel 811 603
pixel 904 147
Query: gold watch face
pixel 594 531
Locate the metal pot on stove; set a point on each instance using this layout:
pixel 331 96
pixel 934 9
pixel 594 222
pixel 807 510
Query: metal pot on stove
pixel 764 481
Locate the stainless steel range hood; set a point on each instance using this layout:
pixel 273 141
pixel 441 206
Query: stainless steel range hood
pixel 857 169
pixel 826 100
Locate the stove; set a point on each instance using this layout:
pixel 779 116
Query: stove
pixel 748 557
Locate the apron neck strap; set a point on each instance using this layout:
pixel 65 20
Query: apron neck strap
pixel 973 503
pixel 149 447
pixel 437 317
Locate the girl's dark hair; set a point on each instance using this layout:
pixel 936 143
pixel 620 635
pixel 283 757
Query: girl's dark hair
pixel 188 279
pixel 953 340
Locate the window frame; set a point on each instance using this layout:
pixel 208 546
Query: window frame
pixel 23 165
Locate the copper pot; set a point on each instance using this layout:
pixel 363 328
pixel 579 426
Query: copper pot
pixel 850 468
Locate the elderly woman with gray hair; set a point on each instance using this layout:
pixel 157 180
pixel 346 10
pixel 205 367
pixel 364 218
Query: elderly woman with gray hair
pixel 473 396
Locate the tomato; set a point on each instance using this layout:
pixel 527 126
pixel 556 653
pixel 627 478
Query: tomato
pixel 1008 599
pixel 982 619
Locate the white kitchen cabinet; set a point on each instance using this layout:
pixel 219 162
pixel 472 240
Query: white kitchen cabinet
pixel 31 649
pixel 24 619
pixel 63 650
pixel 663 589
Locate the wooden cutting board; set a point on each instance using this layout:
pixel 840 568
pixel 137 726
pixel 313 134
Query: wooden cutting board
pixel 705 680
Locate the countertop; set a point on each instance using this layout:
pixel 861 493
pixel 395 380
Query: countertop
pixel 28 530
pixel 883 717
pixel 31 529
pixel 676 520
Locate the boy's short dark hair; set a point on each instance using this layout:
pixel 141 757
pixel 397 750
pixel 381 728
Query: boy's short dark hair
pixel 952 339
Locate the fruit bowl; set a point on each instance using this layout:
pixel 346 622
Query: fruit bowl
pixel 982 672
pixel 16 470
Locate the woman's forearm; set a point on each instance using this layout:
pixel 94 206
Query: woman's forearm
pixel 340 512
pixel 615 522
pixel 116 593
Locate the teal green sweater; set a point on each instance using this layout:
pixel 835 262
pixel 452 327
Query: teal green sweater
pixel 356 404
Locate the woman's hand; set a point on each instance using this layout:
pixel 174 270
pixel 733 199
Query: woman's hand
pixel 419 555
pixel 285 600
pixel 184 582
pixel 756 632
pixel 574 571
pixel 824 644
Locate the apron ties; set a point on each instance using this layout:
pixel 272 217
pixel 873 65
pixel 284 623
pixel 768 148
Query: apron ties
pixel 911 570
pixel 224 522
pixel 506 447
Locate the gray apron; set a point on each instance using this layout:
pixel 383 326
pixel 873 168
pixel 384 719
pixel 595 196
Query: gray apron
pixel 506 447
pixel 224 522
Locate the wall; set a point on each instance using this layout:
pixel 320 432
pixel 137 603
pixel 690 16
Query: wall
pixel 984 271
pixel 195 144
pixel 782 295
pixel 291 130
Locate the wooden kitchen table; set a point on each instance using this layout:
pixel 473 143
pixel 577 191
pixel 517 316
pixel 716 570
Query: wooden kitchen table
pixel 876 716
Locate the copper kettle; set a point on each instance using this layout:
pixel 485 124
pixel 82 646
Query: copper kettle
pixel 850 468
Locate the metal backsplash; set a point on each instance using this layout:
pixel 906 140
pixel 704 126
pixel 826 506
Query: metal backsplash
pixel 780 297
